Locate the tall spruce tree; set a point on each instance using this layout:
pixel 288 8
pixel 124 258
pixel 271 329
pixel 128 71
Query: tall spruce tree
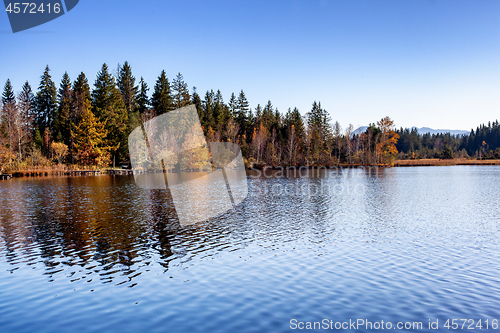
pixel 46 102
pixel 142 99
pixel 242 115
pixel 180 92
pixel 128 89
pixel 8 112
pixel 233 105
pixel 81 93
pixel 8 93
pixel 294 118
pixel 319 119
pixel 162 97
pixel 129 92
pixel 109 108
pixel 26 103
pixel 221 111
pixel 63 123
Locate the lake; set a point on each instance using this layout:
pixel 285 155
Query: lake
pixel 398 245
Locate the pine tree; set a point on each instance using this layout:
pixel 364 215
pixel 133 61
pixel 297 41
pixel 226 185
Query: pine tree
pixel 9 112
pixel 81 93
pixel 128 89
pixel 242 116
pixel 46 102
pixel 162 97
pixel 129 93
pixel 221 111
pixel 8 93
pixel 196 100
pixel 24 121
pixel 103 93
pixel 108 107
pixel 142 99
pixel 180 90
pixel 319 119
pixel 233 106
pixel 62 124
pixel 208 114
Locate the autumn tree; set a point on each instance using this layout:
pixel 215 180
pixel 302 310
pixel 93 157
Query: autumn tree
pixel 59 150
pixel 232 129
pixel 292 146
pixel 386 148
pixel 337 136
pixel 89 139
pixel 348 140
pixel 259 140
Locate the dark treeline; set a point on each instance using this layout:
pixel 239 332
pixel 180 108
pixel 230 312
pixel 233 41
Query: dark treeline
pixel 78 125
pixel 482 143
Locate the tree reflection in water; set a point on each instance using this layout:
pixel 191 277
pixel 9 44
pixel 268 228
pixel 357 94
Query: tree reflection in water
pixel 91 228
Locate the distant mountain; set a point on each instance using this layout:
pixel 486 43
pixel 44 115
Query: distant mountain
pixel 359 130
pixel 421 130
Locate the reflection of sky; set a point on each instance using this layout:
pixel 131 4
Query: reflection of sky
pixel 423 63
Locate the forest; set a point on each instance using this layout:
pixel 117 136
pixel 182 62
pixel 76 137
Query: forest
pixel 78 126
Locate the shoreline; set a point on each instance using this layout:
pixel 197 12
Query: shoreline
pixel 115 172
pixel 443 162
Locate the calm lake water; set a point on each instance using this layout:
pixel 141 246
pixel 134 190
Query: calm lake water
pixel 95 254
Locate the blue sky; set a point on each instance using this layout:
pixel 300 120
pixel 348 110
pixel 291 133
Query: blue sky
pixel 422 62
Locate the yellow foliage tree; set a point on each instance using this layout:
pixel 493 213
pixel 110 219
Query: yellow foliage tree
pixel 60 150
pixel 386 147
pixel 88 138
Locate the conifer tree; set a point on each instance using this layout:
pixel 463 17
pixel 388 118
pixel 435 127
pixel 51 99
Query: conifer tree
pixel 24 121
pixel 128 89
pixel 208 110
pixel 46 102
pixel 142 100
pixel 109 108
pixel 129 93
pixel 180 91
pixel 62 124
pixel 162 97
pixel 242 116
pixel 233 105
pixel 8 93
pixel 221 111
pixel 196 100
pixel 81 93
pixel 8 112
